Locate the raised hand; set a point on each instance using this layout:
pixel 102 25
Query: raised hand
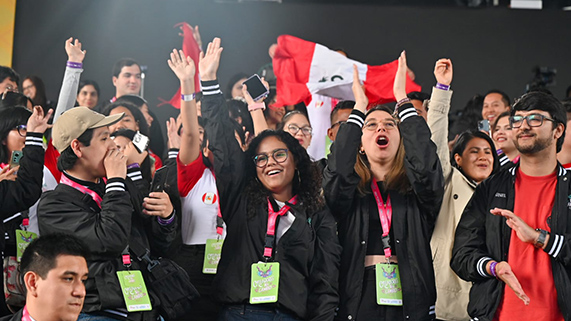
pixel 399 87
pixel 38 123
pixel 183 67
pixel 73 50
pixel 210 60
pixel 249 99
pixel 443 71
pixel 172 132
pixel 361 100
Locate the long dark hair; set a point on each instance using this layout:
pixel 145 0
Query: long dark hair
pixel 463 141
pixel 306 180
pixel 40 98
pixel 9 119
pixel 136 112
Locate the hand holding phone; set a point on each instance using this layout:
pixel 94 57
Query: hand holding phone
pixel 159 180
pixel 15 158
pixel 256 88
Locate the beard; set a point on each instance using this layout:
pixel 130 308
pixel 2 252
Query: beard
pixel 536 146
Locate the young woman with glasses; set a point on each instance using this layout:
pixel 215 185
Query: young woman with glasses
pixel 277 221
pixel 297 124
pixel 384 185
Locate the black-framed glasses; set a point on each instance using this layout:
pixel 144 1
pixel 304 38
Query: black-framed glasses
pixel 22 130
pixel 279 155
pixel 338 123
pixel 533 120
pixel 293 129
pixel 387 124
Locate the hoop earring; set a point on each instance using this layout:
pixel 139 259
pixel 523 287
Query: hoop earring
pixel 362 151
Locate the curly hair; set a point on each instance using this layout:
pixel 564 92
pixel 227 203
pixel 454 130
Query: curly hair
pixel 306 180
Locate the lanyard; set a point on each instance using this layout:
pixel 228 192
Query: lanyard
pixel 219 219
pixel 385 214
pixel 81 188
pixel 26 315
pixel 271 231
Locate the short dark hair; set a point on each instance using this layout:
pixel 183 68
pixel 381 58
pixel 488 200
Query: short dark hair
pixel 124 62
pixel 40 98
pixel 505 97
pixel 41 255
pixel 133 99
pixel 567 104
pixel 238 108
pixel 9 119
pixel 88 82
pixel 135 111
pixel 418 95
pixel 463 141
pixel 343 104
pixel 67 158
pixel 14 99
pixel 7 72
pixel 536 100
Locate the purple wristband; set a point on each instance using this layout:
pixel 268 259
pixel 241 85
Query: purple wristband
pixel 134 165
pixel 163 221
pixel 402 102
pixel 77 65
pixel 442 87
pixel 493 269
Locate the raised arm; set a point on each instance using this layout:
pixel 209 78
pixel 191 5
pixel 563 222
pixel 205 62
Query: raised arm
pixel 421 161
pixel 340 180
pixel 183 67
pixel 70 84
pixel 256 109
pixel 438 108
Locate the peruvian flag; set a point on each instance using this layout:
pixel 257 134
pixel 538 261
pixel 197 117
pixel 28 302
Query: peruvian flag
pixel 189 48
pixel 304 68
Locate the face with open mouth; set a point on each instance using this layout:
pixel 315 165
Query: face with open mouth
pixel 381 137
pixel 502 135
pixel 277 174
pixel 477 160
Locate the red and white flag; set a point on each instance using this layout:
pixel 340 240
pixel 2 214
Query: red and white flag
pixel 304 68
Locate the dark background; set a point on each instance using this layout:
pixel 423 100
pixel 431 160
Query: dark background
pixel 491 47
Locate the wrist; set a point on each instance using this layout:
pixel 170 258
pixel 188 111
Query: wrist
pixel 187 83
pixel 207 77
pixel 442 86
pixel 361 106
pixel 74 64
pixel 257 106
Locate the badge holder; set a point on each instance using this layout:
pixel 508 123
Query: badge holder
pixel 213 249
pixel 24 238
pixel 133 286
pixel 387 280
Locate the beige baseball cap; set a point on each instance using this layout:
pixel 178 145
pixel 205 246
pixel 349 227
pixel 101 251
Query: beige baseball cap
pixel 74 122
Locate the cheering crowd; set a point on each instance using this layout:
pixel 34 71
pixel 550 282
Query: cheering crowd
pixel 409 217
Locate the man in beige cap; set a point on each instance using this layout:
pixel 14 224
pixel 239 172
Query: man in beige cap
pixel 107 216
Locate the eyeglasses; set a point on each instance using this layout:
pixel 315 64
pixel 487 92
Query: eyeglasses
pixel 387 124
pixel 279 155
pixel 22 130
pixel 293 129
pixel 338 123
pixel 533 120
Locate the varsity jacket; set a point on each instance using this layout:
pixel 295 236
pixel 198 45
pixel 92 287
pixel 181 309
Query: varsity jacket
pixel 481 237
pixel 413 219
pixel 308 252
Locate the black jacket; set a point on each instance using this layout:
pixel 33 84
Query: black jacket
pixel 308 252
pixel 107 231
pixel 481 237
pixel 19 195
pixel 414 215
pixel 14 317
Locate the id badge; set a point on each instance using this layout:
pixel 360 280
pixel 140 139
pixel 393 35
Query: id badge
pixel 389 289
pixel 23 239
pixel 134 291
pixel 265 282
pixel 212 253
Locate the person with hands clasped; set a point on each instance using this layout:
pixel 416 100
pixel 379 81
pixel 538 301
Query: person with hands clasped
pixel 474 160
pixel 512 241
pixel 384 185
pixel 281 254
pixel 112 217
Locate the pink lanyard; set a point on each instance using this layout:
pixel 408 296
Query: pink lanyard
pixel 385 213
pixel 219 219
pixel 271 231
pixel 26 315
pixel 81 188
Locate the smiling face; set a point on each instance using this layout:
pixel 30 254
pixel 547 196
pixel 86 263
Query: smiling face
pixel 381 137
pixel 502 135
pixel 276 176
pixel 299 123
pixel 477 160
pixel 128 82
pixel 493 107
pixel 60 295
pixel 530 140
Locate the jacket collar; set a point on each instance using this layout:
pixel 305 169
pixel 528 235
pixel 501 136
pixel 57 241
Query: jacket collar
pixel 561 171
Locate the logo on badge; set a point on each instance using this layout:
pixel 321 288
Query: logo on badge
pixel 266 273
pixel 209 198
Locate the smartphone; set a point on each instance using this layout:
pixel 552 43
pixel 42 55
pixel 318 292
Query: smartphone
pixel 15 158
pixel 141 142
pixel 484 126
pixel 160 179
pixel 255 87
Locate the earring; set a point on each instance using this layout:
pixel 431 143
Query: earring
pixel 362 151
